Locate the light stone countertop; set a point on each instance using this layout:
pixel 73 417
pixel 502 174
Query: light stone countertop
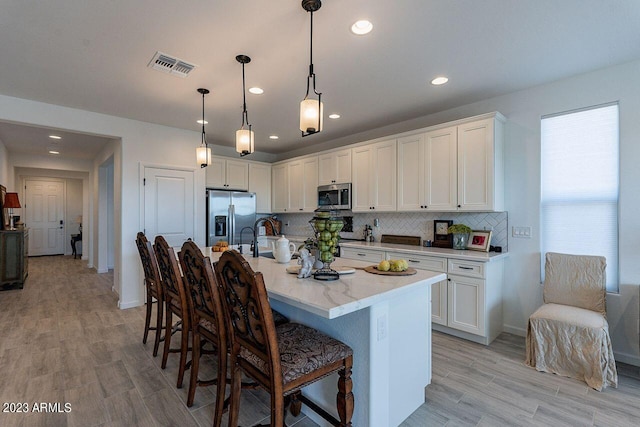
pixel 331 299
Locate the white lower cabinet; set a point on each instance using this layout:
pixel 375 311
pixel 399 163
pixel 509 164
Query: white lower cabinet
pixel 362 254
pixel 468 304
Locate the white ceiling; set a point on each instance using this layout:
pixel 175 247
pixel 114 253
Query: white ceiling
pixel 93 55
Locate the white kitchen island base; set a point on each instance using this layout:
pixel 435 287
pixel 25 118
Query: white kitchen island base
pixel 391 343
pixel 386 320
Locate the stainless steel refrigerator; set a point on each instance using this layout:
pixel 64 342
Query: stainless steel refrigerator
pixel 228 213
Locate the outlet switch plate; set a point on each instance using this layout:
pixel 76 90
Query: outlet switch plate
pixel 521 232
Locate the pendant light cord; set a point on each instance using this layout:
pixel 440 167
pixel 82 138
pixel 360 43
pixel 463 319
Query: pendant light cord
pixel 204 139
pixel 245 115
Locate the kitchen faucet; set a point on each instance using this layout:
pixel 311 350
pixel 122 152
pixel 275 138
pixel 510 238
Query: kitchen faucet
pixel 255 233
pixel 242 231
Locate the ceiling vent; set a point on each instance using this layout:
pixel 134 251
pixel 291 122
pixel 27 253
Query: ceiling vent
pixel 170 65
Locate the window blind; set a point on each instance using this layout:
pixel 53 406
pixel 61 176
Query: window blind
pixel 580 185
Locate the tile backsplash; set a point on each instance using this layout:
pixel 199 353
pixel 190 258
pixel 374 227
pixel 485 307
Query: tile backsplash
pixel 408 224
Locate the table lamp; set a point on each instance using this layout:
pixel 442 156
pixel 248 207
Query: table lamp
pixel 11 201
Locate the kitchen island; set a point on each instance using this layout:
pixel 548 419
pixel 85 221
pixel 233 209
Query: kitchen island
pixel 385 319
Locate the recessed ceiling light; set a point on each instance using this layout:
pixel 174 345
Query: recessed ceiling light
pixel 273 136
pixel 334 116
pixel 256 90
pixel 200 122
pixel 55 137
pixel 439 81
pixel 361 27
pixel 53 152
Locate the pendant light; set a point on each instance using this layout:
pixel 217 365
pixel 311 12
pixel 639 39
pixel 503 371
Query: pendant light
pixel 203 152
pixel 311 110
pixel 244 137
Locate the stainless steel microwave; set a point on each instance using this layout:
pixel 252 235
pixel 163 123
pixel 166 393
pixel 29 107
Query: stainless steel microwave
pixel 334 196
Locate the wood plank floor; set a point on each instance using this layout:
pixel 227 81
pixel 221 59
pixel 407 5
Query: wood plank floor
pixel 62 340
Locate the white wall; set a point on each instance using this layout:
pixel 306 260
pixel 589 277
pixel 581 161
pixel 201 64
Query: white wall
pixel 4 165
pixel 153 144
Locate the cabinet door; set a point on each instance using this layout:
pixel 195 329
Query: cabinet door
pixel 476 166
pixel 237 175
pixel 466 304
pixel 296 186
pixel 260 183
pixel 327 169
pixel 310 184
pixel 439 303
pixel 411 173
pixel 441 169
pixel 343 166
pixel 280 187
pixel 383 176
pixel 216 173
pixel 361 187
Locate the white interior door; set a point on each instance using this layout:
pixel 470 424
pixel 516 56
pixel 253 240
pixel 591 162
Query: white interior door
pixel 44 215
pixel 169 205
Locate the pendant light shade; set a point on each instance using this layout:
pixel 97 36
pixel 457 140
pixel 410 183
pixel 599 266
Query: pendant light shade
pixel 311 109
pixel 244 136
pixel 203 152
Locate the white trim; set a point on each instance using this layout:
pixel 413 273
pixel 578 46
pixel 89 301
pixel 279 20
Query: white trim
pixel 130 304
pixel 627 358
pixel 521 332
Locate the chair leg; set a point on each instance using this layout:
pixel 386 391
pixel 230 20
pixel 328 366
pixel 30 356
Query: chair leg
pixel 184 347
pixel 296 404
pixel 236 384
pixel 147 319
pixel 221 387
pixel 277 409
pixel 160 312
pixel 167 337
pixel 195 365
pixel 345 394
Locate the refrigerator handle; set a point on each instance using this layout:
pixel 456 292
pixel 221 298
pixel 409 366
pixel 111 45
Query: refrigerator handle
pixel 232 224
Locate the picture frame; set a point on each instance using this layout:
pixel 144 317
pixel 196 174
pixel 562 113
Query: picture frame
pixel 4 212
pixel 479 240
pixel 441 237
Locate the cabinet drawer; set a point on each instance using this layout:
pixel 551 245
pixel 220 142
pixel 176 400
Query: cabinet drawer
pixel 422 262
pixel 362 254
pixel 466 268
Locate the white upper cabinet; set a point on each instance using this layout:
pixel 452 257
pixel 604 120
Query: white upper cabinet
pixel 455 168
pixel 295 185
pixel 260 183
pixel 279 187
pixel 427 171
pixel 228 174
pixel 480 165
pixel 374 177
pixel 334 167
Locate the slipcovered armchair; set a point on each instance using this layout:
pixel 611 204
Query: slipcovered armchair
pixel 569 334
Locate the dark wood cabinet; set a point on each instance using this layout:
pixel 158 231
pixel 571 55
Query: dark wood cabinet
pixel 14 252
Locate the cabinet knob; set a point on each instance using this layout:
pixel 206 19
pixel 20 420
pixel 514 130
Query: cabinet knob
pixel 459 206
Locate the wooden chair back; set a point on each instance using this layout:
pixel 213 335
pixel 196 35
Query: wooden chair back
pixel 250 318
pixel 202 288
pixel 172 282
pixel 150 266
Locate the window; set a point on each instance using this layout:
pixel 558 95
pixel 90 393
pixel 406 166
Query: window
pixel 580 185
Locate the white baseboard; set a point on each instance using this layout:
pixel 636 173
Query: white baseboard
pixel 521 332
pixel 629 359
pixel 130 304
pixel 103 270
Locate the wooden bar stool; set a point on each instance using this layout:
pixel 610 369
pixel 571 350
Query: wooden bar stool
pixel 208 321
pixel 282 359
pixel 153 287
pixel 176 303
